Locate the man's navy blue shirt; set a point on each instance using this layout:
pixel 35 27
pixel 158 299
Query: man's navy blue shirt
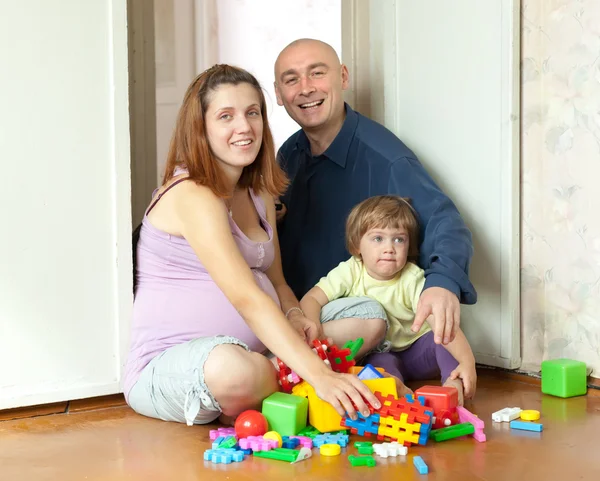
pixel 365 159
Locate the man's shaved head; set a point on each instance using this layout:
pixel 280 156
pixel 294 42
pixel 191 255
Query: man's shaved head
pixel 326 50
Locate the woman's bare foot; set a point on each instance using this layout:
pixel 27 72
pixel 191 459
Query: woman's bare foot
pixel 457 383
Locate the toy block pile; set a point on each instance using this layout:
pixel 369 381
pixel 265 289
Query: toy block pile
pixel 296 420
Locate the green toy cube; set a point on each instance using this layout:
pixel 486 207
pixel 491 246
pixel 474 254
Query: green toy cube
pixel 564 378
pixel 286 413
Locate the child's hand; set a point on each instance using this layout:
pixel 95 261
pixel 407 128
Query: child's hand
pixel 468 375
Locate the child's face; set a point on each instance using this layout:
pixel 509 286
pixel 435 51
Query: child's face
pixel 384 252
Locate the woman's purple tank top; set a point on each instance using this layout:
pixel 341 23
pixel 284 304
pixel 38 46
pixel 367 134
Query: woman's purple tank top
pixel 176 299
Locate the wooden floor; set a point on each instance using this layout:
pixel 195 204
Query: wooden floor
pixel 117 444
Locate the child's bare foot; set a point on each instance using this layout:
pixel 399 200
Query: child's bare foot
pixel 457 383
pixel 402 389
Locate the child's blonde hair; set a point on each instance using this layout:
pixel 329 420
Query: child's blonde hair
pixel 382 211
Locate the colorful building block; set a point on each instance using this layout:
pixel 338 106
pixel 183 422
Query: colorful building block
pixel 223 456
pixel 257 443
pixel 280 454
pixel 230 442
pixel 506 415
pixel 443 400
pixel 386 450
pixel 341 439
pixel 452 432
pixel 221 432
pixel 330 449
pixel 527 426
pixel 364 425
pixel 369 372
pixel 465 416
pixel 354 346
pixel 362 461
pixel 564 378
pixel 420 465
pixel 323 416
pixel 285 413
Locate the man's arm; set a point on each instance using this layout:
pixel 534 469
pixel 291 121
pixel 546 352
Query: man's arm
pixel 445 250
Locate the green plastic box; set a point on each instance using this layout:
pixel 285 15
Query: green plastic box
pixel 564 378
pixel 286 413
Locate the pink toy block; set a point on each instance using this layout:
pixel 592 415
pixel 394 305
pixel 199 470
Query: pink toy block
pixel 305 442
pixel 224 432
pixel 465 416
pixel 257 443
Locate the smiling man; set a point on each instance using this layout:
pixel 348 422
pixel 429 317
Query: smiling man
pixel 338 159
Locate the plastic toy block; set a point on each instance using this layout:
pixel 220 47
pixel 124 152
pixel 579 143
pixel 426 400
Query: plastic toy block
pixel 452 432
pixel 395 407
pixel 362 444
pixel 354 346
pixel 257 443
pixel 363 426
pixel 341 439
pixel 443 401
pixel 366 450
pixel 247 452
pixel 530 415
pixel 221 432
pixel 527 426
pixel 564 378
pixel 356 369
pixel 391 429
pixel 420 465
pixel 304 441
pixel 308 432
pixel 217 442
pixel 223 456
pixel 290 443
pixel 330 449
pixel 303 453
pixel 362 461
pixel 369 372
pixel 275 436
pixel 280 454
pixel 229 442
pixel 385 385
pixel 285 413
pixel 465 416
pixel 321 415
pixel 340 359
pixel 506 415
pixel 385 450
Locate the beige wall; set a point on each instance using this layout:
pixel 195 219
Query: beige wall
pixel 560 276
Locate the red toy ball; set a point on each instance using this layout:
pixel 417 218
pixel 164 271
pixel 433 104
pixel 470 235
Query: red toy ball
pixel 251 423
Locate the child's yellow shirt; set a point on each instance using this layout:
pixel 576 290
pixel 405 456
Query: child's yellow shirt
pixel 398 296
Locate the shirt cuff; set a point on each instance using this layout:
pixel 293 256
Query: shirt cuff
pixel 438 280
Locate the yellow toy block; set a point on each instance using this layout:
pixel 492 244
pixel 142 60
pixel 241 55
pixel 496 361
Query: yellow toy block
pixel 321 414
pixel 401 431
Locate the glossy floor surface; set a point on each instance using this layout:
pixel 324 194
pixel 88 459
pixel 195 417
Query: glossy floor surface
pixel 117 444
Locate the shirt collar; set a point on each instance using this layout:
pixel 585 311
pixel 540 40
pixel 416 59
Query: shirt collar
pixel 337 152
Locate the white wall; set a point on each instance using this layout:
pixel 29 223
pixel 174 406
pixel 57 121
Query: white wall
pixel 65 275
pixel 251 33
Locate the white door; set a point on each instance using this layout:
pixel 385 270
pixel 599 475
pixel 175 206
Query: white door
pixel 65 249
pixel 444 77
pixel 175 68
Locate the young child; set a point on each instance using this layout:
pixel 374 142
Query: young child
pixel 382 236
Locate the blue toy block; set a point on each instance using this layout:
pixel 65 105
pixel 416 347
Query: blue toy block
pixel 421 400
pixel 217 442
pixel 420 465
pixel 369 372
pixel 247 452
pixel 368 424
pixel 289 443
pixel 409 398
pixel 527 426
pixel 341 439
pixel 223 456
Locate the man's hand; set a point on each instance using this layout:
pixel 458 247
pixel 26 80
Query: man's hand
pixel 444 309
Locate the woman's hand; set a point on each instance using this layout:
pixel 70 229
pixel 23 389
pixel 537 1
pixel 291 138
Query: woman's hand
pixel 308 330
pixel 342 390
